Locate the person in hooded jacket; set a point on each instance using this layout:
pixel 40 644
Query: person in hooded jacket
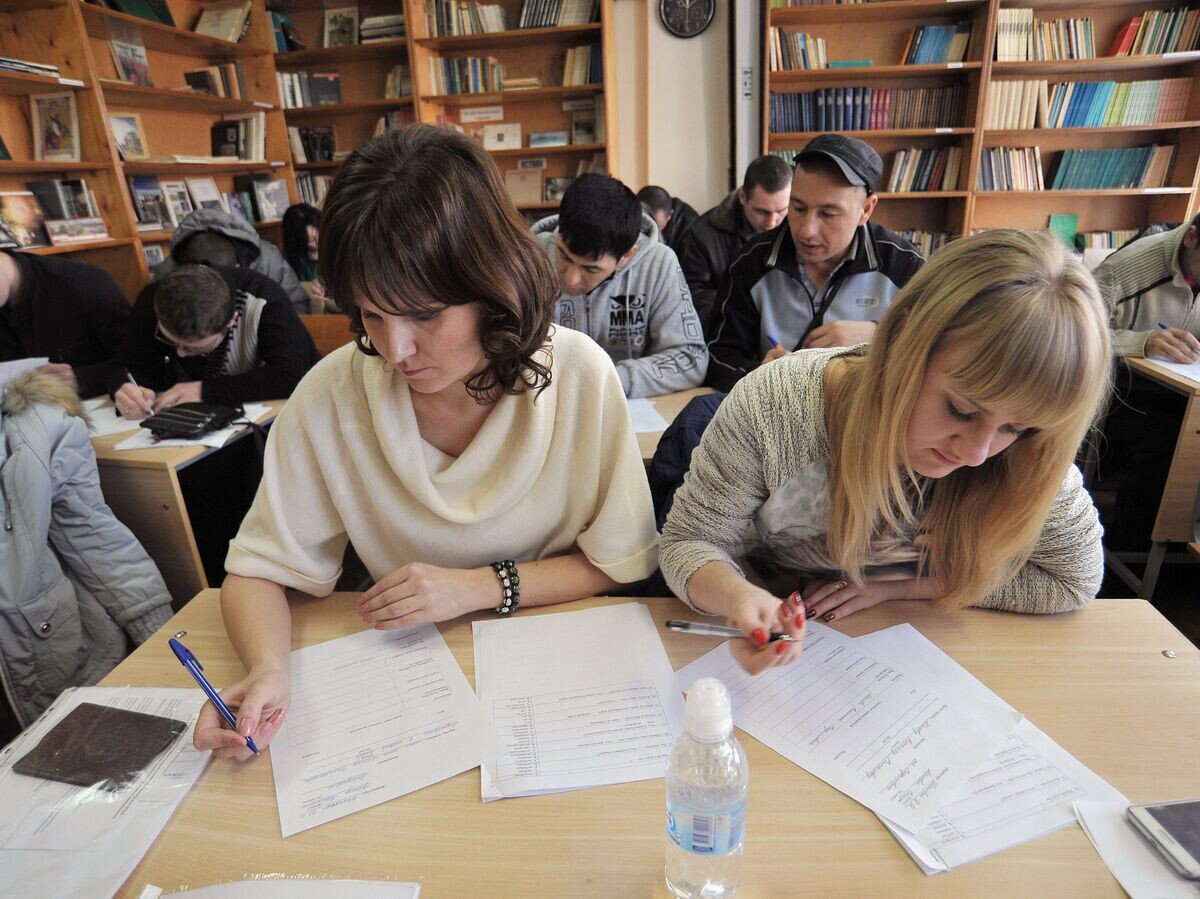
pixel 76 587
pixel 248 251
pixel 623 288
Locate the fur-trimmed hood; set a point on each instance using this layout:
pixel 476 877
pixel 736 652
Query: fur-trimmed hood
pixel 38 387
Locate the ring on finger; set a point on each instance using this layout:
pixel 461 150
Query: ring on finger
pixel 839 585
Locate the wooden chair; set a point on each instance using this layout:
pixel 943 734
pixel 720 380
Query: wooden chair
pixel 328 331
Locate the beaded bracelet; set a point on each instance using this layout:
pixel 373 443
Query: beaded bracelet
pixel 510 586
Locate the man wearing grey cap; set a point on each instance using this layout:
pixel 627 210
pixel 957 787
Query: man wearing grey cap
pixel 821 279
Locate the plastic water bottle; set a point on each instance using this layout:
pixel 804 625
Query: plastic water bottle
pixel 707 781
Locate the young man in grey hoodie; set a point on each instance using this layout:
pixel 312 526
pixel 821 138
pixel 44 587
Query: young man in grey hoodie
pixel 623 288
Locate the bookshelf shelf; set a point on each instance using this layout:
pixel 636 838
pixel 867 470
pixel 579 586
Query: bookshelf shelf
pixel 29 5
pixel 353 53
pixel 150 167
pixel 17 83
pixel 513 37
pixel 1128 192
pixel 328 109
pixel 166 39
pixel 882 11
pixel 536 207
pixel 523 96
pixel 76 247
pixel 122 93
pixel 998 137
pixel 779 138
pixel 156 236
pixel 925 195
pixel 1114 66
pixel 547 151
pixel 325 166
pixel 33 166
pixel 806 78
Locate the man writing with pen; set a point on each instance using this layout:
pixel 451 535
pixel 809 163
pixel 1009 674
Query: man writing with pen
pixel 821 279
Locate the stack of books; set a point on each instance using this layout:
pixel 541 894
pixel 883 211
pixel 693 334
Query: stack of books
pixel 1158 31
pixel 1010 168
pixel 374 29
pixel 465 75
pixel 309 87
pixel 312 188
pixel 227 79
pixel 29 68
pixel 932 44
pixel 452 17
pixel 1115 168
pixel 929 169
pixel 243 136
pixel 311 144
pixel 794 50
pixel 398 83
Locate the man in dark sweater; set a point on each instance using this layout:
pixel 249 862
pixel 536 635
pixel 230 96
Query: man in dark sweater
pixel 210 335
pixel 673 216
pixel 69 312
pixel 823 278
pixel 714 239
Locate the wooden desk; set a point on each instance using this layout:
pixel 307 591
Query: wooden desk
pixel 1177 510
pixel 142 488
pixel 1096 681
pixel 668 406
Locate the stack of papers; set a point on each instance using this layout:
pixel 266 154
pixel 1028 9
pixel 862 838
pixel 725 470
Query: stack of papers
pixel 581 699
pixel 952 770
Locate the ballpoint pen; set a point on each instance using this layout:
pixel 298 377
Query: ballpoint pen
pixel 719 630
pixel 138 388
pixel 192 664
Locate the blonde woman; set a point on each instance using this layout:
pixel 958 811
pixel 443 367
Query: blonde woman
pixel 935 464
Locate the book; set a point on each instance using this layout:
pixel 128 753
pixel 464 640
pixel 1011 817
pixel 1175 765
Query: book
pixel 75 230
pixel 237 206
pixel 583 127
pixel 63 199
pixel 4 154
pixel 341 27
pixel 206 81
pixel 128 133
pixel 270 199
pixel 224 21
pixel 555 188
pixel 154 254
pixel 1065 226
pixel 55 119
pixel 548 139
pixel 204 194
pixel 131 62
pixel 149 203
pixel 324 87
pixel 140 8
pixel 22 218
pixel 505 136
pixel 225 138
pixel 179 204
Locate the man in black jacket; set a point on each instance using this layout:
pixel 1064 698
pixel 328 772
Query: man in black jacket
pixel 759 205
pixel 824 278
pixel 673 216
pixel 69 312
pixel 213 335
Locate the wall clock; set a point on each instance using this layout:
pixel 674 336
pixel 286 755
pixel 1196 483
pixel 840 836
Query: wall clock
pixel 686 18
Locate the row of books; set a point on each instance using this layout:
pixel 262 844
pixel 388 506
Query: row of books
pixel 227 79
pixel 1102 104
pixel 309 87
pixel 932 44
pixel 398 82
pixel 925 169
pixel 1112 168
pixel 928 242
pixel 162 205
pixel 1010 168
pixel 1020 38
pixel 792 51
pixel 373 29
pixel 583 65
pixel 1013 105
pixel 1105 240
pixel 869 108
pixel 465 75
pixel 453 17
pixel 315 144
pixel 243 136
pixel 1158 31
pixel 551 13
pixel 57 212
pixel 286 36
pixel 312 188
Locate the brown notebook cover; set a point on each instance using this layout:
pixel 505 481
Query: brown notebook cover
pixel 99 745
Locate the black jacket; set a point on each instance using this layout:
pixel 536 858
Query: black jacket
pixel 285 348
pixel 69 312
pixel 763 297
pixel 682 218
pixel 708 248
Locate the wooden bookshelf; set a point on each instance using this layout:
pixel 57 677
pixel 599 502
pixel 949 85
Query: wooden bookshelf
pixel 878 32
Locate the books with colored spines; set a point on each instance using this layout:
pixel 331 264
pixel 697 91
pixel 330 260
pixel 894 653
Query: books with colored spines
pixel 796 50
pixel 314 144
pixel 928 169
pixel 866 107
pixel 933 44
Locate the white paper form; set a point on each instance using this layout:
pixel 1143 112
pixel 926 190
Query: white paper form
pixel 646 419
pixel 306 888
pixel 1191 370
pixel 581 699
pixel 61 840
pixel 1024 791
pixel 104 418
pixel 899 742
pixel 374 716
pixel 143 439
pixel 1141 871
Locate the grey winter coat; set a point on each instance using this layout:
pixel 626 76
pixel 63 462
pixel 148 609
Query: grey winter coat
pixel 267 258
pixel 74 582
pixel 642 316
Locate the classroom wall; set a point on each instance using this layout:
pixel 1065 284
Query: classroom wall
pixel 672 96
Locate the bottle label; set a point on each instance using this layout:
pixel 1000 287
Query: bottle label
pixel 703 832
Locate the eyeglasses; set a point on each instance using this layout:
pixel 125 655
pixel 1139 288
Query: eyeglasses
pixel 201 347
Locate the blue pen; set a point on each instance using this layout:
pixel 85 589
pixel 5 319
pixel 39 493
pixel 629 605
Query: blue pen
pixel 192 664
pixel 775 342
pixel 1164 327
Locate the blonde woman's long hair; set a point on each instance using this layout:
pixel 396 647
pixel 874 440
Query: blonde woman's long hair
pixel 1038 342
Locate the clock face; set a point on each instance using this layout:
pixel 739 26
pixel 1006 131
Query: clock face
pixel 687 18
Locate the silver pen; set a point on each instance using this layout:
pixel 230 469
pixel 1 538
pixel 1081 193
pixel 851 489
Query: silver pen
pixel 719 630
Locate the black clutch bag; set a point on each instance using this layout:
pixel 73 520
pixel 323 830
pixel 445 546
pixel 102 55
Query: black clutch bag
pixel 191 420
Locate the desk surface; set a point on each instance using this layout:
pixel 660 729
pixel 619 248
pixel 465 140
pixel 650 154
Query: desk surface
pixel 1096 681
pixel 668 407
pixel 1164 376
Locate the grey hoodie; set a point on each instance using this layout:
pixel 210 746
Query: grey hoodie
pixel 642 316
pixel 268 261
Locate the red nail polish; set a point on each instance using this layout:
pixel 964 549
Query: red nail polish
pixel 784 611
pixel 780 647
pixel 758 635
pixel 794 599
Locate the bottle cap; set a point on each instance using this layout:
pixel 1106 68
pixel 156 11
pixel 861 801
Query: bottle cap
pixel 708 716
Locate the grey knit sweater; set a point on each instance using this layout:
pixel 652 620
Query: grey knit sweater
pixel 758 484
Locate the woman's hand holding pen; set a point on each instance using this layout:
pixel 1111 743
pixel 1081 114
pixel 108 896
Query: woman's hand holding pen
pixel 260 700
pixel 758 614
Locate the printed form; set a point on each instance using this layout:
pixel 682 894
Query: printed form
pixel 59 839
pixel 899 742
pixel 1024 791
pixel 374 716
pixel 580 699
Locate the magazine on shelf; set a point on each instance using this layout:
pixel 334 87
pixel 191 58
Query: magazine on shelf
pixel 179 204
pixel 128 133
pixel 341 26
pixel 132 63
pixel 55 119
pixel 22 219
pixel 224 21
pixel 205 195
pixel 76 230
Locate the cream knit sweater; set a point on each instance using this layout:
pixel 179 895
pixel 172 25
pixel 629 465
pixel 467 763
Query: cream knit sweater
pixel 770 432
pixel 546 474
